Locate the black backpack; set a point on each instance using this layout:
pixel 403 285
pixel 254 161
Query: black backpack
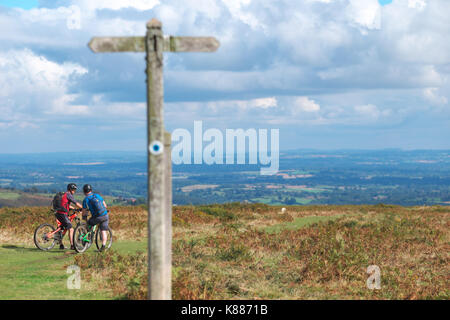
pixel 57 202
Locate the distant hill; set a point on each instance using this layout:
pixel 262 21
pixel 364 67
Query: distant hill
pixel 305 177
pixel 16 198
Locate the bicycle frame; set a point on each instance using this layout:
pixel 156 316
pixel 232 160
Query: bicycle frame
pixel 92 231
pixel 50 235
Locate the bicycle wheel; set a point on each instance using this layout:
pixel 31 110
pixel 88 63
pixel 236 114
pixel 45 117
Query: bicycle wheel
pixel 81 238
pixel 98 239
pixel 40 237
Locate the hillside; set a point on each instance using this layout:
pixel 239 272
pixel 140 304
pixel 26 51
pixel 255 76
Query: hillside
pixel 305 177
pixel 255 251
pixel 15 198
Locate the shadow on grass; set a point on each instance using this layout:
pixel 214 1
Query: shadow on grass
pixel 28 249
pixel 17 248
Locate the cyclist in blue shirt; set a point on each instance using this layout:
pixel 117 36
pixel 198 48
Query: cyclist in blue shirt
pixel 94 203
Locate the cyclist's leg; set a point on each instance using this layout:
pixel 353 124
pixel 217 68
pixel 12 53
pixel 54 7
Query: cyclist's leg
pixel 71 230
pixel 63 233
pixel 91 223
pixel 66 225
pixel 104 220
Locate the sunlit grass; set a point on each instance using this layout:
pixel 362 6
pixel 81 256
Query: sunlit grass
pixel 255 251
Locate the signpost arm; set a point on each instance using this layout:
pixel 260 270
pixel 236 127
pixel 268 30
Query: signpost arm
pixel 159 284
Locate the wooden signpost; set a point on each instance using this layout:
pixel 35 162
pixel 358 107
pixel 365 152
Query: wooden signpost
pixel 159 158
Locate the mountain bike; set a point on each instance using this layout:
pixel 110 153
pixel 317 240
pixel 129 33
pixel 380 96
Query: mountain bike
pixel 83 237
pixel 46 235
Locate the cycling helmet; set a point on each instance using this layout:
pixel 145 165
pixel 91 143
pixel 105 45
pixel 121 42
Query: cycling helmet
pixel 71 187
pixel 87 188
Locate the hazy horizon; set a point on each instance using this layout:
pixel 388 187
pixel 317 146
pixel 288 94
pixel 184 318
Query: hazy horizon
pixel 281 151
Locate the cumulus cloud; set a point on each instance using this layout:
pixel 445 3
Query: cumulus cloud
pixel 433 95
pixel 290 110
pixel 280 61
pixel 31 86
pixel 417 4
pixel 237 10
pixel 365 14
pixel 303 104
pixel 369 110
pixel 117 4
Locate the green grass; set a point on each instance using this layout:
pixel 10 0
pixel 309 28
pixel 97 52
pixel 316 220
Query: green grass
pixel 245 251
pixel 46 195
pixel 7 195
pixel 126 247
pixel 302 200
pixel 273 200
pixel 310 190
pixel 29 273
pixel 299 223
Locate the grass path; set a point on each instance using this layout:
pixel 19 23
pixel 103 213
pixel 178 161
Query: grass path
pixel 300 223
pixel 28 273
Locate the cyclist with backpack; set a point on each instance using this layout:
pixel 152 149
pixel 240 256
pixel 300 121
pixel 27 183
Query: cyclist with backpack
pixel 62 203
pixel 94 203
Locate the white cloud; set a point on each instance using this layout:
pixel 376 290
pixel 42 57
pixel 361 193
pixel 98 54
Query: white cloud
pixel 417 4
pixel 237 10
pixel 264 103
pixel 63 106
pixel 369 110
pixel 297 49
pixel 229 107
pixel 432 95
pixel 116 4
pixel 365 14
pixel 31 86
pixel 123 110
pixel 24 71
pixel 304 104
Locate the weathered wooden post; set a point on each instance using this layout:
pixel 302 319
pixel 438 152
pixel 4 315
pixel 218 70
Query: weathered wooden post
pixel 159 284
pixel 159 157
pixel 168 214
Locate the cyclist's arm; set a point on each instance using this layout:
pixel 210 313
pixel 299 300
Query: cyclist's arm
pixel 73 201
pixel 85 209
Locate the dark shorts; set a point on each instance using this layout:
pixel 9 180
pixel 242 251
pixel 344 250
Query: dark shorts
pixel 65 222
pixel 103 221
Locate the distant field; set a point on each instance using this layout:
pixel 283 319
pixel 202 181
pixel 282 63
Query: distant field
pixel 198 187
pixel 252 251
pixel 273 200
pixel 18 198
pixel 402 177
pixel 9 195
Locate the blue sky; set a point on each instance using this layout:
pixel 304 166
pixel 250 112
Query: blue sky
pixel 24 4
pixel 327 73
